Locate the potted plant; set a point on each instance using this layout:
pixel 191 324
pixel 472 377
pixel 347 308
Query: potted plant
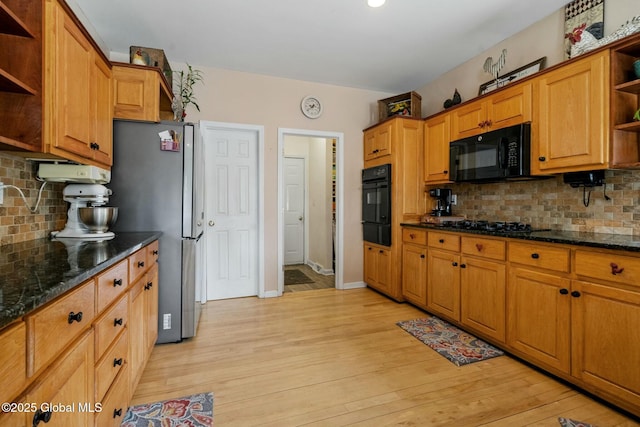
pixel 185 94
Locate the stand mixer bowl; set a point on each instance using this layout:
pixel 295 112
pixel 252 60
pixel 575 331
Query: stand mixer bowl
pixel 98 219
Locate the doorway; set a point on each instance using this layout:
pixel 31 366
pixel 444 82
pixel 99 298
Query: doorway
pixel 322 224
pixel 234 209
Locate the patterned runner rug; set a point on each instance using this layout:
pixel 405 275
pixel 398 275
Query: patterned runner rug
pixel 194 411
pixel 455 344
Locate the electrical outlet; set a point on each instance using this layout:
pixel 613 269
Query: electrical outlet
pixel 166 321
pixel 454 199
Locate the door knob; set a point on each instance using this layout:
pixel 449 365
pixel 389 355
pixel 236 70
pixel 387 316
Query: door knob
pixel 211 223
pixel 300 218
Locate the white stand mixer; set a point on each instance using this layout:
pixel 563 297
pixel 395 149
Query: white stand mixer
pixel 83 195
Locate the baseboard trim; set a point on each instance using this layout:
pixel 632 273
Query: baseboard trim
pixel 270 294
pixel 319 268
pixel 354 285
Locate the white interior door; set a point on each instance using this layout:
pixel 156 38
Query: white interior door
pixel 231 198
pixel 294 215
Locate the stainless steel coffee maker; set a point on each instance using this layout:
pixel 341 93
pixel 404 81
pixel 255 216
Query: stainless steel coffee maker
pixel 443 201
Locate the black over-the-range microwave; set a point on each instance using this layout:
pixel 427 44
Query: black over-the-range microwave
pixel 498 155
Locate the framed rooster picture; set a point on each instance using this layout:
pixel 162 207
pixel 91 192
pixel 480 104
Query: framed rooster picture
pixel 580 17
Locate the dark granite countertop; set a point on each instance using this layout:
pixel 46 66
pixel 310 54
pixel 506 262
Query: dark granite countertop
pixel 35 272
pixel 595 240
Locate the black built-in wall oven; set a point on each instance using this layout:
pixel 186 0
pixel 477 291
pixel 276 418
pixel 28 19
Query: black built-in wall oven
pixel 376 204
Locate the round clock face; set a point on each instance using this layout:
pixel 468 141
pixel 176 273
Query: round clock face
pixel 311 107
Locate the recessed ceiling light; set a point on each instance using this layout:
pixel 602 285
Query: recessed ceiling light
pixel 375 3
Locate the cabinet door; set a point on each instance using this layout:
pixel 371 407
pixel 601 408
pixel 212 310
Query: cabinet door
pixel 606 339
pixel 483 295
pixel 68 383
pixel 538 317
pixel 509 106
pixel 135 92
pixel 414 274
pixel 102 112
pixel 151 308
pixel 443 283
pixel 73 71
pixel 571 118
pixel 409 154
pixel 383 140
pixel 384 269
pixel 137 342
pixel 437 136
pixel 370 265
pixel 468 120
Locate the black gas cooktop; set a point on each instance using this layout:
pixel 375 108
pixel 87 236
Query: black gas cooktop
pixel 506 227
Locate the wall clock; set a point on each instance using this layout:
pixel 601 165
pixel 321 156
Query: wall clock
pixel 311 107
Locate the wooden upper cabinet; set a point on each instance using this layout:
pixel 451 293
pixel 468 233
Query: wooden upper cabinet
pixel 437 136
pixel 141 93
pixel 377 141
pixel 570 130
pixel 77 102
pixel 507 107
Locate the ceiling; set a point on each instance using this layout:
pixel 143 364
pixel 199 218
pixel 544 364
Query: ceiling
pixel 396 48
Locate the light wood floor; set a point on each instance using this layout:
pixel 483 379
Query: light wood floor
pixel 332 358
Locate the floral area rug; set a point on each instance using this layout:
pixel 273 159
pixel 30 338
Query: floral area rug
pixel 193 411
pixel 456 345
pixel 568 422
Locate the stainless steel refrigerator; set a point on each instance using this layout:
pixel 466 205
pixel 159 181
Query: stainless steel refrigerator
pixel 159 187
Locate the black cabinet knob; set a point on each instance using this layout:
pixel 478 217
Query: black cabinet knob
pixel 155 252
pixel 445 172
pixel 455 264
pixel 564 291
pixel 41 416
pixel 117 413
pixel 74 317
pixel 117 362
pixel 140 264
pixel 117 321
pixel 542 158
pixel 117 282
pixel 575 294
pixel 421 255
pixel 535 255
pixel 463 265
pixel 441 240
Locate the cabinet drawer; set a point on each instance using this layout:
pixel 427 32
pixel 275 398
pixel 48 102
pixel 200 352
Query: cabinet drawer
pixel 111 284
pixel 137 264
pixel 486 248
pixel 115 402
pixel 110 325
pixel 546 257
pixel 450 242
pixel 152 252
pixel 13 360
pixel 412 235
pixel 51 329
pixel 609 266
pixel 108 367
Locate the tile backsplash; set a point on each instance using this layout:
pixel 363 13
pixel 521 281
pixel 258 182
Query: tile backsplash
pixel 550 203
pixel 17 222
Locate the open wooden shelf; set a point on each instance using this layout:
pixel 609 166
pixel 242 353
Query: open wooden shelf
pixel 630 127
pixel 629 87
pixel 8 83
pixel 11 24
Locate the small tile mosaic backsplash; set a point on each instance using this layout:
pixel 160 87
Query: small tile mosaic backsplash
pixel 17 222
pixel 550 203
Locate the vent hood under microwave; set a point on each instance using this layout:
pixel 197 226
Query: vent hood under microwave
pixel 83 174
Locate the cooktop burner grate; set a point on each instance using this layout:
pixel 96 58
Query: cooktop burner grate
pixel 495 226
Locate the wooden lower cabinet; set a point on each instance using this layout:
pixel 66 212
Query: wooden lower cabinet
pixel 443 283
pixel 414 274
pixel 605 340
pixel 377 267
pixel 539 315
pixel 115 403
pixel 483 296
pixel 65 393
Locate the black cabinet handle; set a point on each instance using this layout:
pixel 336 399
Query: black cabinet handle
pixel 381 251
pixel 117 362
pixel 117 282
pixel 455 264
pixel 155 252
pixel 441 240
pixel 575 294
pixel 140 264
pixel 77 317
pixel 445 172
pixel 535 255
pixel 564 291
pixel 40 415
pixel 463 265
pixel 117 322
pixel 421 255
pixel 542 158
pixel 117 413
